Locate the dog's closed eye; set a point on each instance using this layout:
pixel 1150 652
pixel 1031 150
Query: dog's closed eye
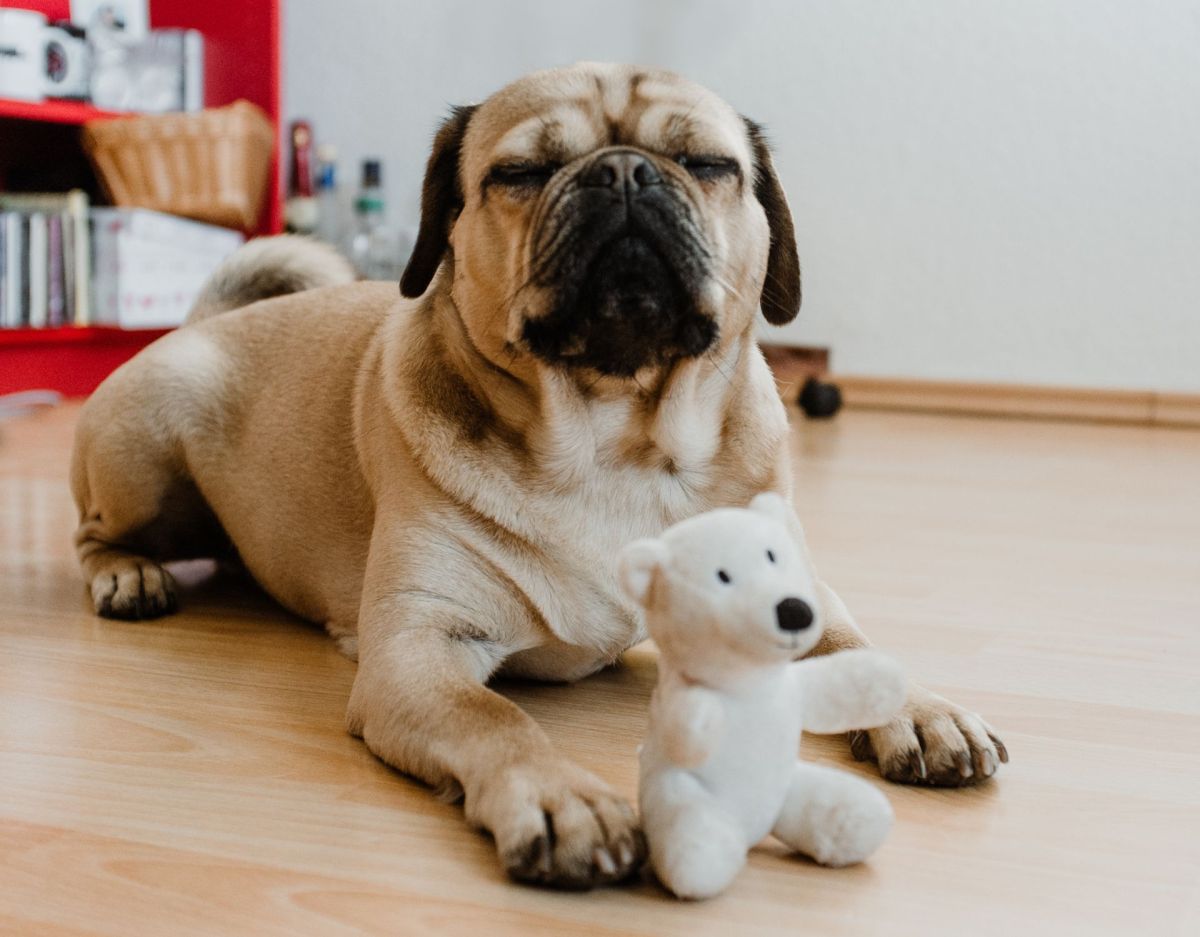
pixel 521 175
pixel 709 168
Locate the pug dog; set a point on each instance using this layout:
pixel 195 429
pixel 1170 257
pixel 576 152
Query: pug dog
pixel 444 479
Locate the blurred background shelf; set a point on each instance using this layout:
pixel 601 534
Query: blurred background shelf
pixel 40 150
pixel 74 113
pixel 39 141
pixel 72 361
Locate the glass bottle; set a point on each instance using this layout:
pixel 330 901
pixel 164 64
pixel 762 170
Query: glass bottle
pixel 331 225
pixel 373 245
pixel 300 210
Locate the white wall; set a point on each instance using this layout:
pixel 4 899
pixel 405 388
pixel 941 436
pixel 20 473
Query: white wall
pixel 983 191
pixel 377 76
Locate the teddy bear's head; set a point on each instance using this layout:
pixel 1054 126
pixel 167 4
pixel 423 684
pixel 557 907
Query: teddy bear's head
pixel 731 584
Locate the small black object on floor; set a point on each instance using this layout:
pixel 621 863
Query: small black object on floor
pixel 819 400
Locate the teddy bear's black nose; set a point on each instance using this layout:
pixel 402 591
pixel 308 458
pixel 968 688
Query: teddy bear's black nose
pixel 794 614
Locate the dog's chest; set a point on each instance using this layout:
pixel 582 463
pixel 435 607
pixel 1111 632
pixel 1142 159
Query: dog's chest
pixel 613 494
pixel 575 585
pixel 591 480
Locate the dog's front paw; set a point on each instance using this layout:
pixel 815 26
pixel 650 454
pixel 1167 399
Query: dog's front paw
pixel 932 741
pixel 559 825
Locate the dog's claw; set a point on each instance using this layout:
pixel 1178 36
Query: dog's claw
pixel 860 745
pixel 534 862
pixel 604 862
pixel 917 764
pixel 626 853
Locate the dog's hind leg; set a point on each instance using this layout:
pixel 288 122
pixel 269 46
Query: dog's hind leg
pixel 138 502
pixel 122 478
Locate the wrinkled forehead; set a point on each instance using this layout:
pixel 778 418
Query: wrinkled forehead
pixel 563 114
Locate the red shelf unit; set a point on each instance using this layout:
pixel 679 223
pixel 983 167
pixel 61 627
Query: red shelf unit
pixel 74 113
pixel 72 361
pixel 242 60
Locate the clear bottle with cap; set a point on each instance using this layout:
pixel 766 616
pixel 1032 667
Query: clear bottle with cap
pixel 373 246
pixel 331 214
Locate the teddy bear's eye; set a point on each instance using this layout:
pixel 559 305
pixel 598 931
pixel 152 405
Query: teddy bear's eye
pixel 771 555
pixel 724 576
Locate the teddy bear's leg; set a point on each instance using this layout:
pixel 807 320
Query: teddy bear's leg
pixel 696 847
pixel 832 816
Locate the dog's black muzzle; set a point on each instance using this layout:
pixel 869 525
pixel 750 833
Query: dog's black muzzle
pixel 626 262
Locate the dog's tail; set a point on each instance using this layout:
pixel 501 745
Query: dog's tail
pixel 266 267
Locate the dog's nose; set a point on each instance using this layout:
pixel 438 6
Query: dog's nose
pixel 626 170
pixel 794 614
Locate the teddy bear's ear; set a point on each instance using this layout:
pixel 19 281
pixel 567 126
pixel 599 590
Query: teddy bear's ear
pixel 636 566
pixel 772 505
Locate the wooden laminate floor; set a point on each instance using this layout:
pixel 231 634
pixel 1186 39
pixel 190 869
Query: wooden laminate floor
pixel 192 776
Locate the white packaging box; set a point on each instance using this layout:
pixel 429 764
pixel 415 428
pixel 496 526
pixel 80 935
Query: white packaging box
pixel 149 267
pixel 22 54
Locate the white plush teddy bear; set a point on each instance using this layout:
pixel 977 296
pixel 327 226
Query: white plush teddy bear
pixel 730 598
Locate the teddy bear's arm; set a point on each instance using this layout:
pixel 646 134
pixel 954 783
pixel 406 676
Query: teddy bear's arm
pixel 850 690
pixel 689 721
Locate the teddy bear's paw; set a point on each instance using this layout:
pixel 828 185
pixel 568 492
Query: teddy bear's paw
pixel 853 829
pixel 831 816
pixel 933 742
pixel 558 825
pixel 699 854
pixel 875 686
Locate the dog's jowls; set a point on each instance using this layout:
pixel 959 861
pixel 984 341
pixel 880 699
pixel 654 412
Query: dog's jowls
pixel 443 480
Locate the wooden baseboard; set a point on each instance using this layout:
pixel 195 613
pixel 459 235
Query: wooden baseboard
pixel 1005 400
pixel 1177 409
pixel 796 363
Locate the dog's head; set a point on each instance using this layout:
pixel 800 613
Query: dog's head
pixel 605 217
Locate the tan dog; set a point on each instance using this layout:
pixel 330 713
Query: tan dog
pixel 444 481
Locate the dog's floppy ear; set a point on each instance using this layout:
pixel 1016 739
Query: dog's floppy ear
pixel 441 201
pixel 781 292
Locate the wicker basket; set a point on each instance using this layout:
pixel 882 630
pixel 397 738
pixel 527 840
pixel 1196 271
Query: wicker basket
pixel 212 165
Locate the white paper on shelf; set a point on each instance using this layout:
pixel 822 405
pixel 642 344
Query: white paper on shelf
pixel 150 267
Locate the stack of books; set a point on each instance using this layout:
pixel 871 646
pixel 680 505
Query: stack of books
pixel 65 263
pixel 45 266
